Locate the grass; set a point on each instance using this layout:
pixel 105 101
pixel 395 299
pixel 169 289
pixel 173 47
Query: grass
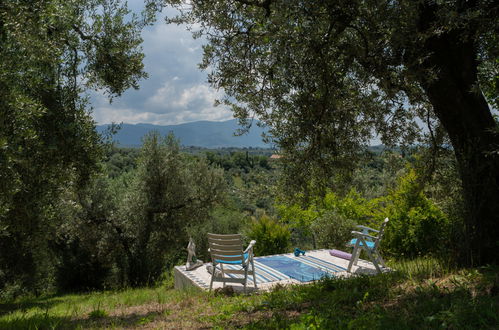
pixel 423 293
pixel 86 310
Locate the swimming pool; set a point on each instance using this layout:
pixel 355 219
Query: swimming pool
pixel 293 268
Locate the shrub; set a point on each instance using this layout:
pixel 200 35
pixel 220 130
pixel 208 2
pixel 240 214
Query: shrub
pixel 417 225
pixel 332 230
pixel 328 221
pixel 353 206
pixel 299 221
pixel 271 236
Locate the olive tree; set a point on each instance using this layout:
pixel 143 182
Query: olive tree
pixel 326 76
pixel 52 51
pixel 169 193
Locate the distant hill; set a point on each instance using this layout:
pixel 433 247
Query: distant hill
pixel 206 134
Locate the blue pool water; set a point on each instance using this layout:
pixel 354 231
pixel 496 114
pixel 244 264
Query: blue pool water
pixel 293 268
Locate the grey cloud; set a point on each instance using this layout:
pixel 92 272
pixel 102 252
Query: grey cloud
pixel 176 90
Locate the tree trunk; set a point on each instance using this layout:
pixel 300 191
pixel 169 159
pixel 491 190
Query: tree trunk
pixel 465 114
pixel 140 270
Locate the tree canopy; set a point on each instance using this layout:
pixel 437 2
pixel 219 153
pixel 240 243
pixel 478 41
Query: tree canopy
pixel 52 51
pixel 326 76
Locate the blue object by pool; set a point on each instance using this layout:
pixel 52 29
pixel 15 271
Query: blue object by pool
pixel 298 251
pixel 293 268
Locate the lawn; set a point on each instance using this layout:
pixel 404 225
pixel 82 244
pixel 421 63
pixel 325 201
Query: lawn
pixel 420 294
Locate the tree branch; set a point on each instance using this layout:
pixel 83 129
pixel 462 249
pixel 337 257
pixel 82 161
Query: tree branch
pixel 82 35
pixel 264 4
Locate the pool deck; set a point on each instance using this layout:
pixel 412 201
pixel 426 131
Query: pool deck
pixel 267 278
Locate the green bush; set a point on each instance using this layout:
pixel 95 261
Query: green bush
pixel 352 206
pixel 300 221
pixel 271 236
pixel 417 225
pixel 328 221
pixel 332 230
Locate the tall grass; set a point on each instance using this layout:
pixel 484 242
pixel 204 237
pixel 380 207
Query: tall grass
pixel 422 268
pixel 64 311
pixel 420 293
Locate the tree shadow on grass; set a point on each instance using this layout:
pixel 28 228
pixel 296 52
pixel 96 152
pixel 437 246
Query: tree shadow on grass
pixel 36 321
pixel 41 303
pixel 121 321
pixel 383 302
pixel 46 321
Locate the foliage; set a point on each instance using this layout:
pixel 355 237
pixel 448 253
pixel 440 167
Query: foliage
pixel 169 193
pixel 251 176
pixel 130 229
pixel 255 191
pixel 377 175
pixel 271 236
pixel 223 220
pixel 52 51
pixel 238 160
pixel 120 160
pixel 86 241
pixel 416 224
pixel 327 221
pixel 327 77
pixel 300 222
pixel 228 150
pixel 352 206
pixel 332 230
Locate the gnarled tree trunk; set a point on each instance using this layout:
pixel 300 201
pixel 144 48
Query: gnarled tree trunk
pixel 465 114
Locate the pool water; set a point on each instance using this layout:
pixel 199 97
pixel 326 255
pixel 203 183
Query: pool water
pixel 293 268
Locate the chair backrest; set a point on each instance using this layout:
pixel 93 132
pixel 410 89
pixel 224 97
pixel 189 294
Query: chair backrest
pixel 226 248
pixel 381 233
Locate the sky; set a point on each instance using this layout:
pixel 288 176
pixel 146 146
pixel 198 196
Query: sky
pixel 176 91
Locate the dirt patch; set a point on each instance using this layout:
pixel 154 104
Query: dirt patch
pixel 188 313
pixel 139 316
pixel 140 309
pixel 241 319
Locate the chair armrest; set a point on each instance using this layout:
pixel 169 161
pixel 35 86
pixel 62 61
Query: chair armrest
pixel 358 234
pixel 367 228
pixel 250 246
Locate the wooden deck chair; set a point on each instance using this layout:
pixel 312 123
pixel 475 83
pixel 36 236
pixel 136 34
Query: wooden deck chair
pixel 364 241
pixel 228 250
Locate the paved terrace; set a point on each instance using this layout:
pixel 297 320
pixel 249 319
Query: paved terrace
pixel 269 273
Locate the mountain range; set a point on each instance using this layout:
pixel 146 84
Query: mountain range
pixel 206 134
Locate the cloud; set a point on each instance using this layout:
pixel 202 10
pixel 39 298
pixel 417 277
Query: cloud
pixel 173 96
pixel 176 91
pixel 122 115
pixel 179 103
pixel 116 115
pixel 162 96
pixel 171 103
